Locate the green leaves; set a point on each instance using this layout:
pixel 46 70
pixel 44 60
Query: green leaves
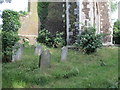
pixel 10 26
pixel 10 20
pixel 8 41
pixel 116 32
pixel 88 41
pixel 50 40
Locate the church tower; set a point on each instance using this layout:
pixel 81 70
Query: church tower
pixel 29 24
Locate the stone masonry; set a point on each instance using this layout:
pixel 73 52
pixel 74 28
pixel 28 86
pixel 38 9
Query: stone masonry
pixel 29 24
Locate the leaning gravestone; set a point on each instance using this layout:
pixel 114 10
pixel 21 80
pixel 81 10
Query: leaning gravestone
pixel 17 52
pixel 44 61
pixel 64 52
pixel 38 50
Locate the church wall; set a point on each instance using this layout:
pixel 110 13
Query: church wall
pixel 29 24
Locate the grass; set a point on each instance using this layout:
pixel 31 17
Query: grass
pixel 78 71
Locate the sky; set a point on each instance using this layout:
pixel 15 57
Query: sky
pixel 19 5
pixel 16 5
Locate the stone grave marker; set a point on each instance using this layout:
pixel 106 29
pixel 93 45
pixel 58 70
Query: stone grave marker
pixel 17 52
pixel 64 52
pixel 44 60
pixel 38 50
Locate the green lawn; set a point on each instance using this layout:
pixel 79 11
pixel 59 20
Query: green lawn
pixel 79 71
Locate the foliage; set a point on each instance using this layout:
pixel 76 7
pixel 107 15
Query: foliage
pixel 23 13
pixel 83 71
pixel 88 41
pixel 43 12
pixel 26 42
pixel 116 32
pixel 10 37
pixel 113 6
pixel 45 37
pixel 7 1
pixel 58 39
pixel 10 20
pixel 8 41
pixel 50 40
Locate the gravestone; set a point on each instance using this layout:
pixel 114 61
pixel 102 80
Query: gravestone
pixel 17 52
pixel 44 61
pixel 38 50
pixel 64 52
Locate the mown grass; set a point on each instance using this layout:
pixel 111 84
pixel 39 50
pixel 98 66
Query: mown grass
pixel 78 71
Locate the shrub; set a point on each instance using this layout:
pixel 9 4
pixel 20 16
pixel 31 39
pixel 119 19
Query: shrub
pixel 23 13
pixel 58 39
pixel 49 39
pixel 10 20
pixel 88 41
pixel 10 37
pixel 116 32
pixel 8 41
pixel 45 37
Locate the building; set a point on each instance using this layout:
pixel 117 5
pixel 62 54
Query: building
pixel 92 13
pixel 29 24
pixel 87 12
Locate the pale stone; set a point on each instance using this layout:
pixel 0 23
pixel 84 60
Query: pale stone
pixel 38 50
pixel 17 52
pixel 64 52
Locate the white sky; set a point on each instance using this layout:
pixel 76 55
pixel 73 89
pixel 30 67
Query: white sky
pixel 16 5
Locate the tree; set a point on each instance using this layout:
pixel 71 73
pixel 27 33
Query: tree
pixel 113 5
pixel 7 1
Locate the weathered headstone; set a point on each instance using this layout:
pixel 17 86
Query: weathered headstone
pixel 44 61
pixel 17 52
pixel 38 50
pixel 64 52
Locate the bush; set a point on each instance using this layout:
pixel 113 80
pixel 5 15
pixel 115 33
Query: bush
pixel 8 41
pixel 45 37
pixel 116 32
pixel 23 13
pixel 88 41
pixel 50 40
pixel 58 39
pixel 10 37
pixel 10 20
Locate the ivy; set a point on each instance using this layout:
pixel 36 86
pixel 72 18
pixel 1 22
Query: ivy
pixel 43 12
pixel 10 37
pixel 10 20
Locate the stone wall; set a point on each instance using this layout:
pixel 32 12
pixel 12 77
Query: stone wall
pixel 54 21
pixel 97 14
pixel 105 22
pixel 29 24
